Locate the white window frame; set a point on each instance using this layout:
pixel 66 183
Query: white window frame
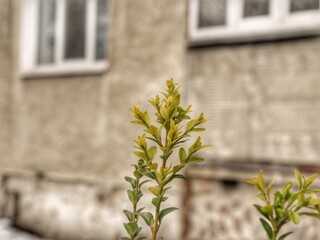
pixel 280 23
pixel 29 43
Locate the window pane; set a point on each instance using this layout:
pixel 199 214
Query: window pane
pixel 253 8
pixel 75 29
pixel 302 5
pixel 46 44
pixel 212 13
pixel 101 29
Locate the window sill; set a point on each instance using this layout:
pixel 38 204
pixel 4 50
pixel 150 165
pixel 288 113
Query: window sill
pixel 201 38
pixel 65 71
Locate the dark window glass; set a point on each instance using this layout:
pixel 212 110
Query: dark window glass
pixel 46 41
pixel 212 13
pixel 254 8
pixel 303 5
pixel 75 29
pixel 101 37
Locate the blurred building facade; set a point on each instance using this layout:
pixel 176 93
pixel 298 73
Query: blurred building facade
pixel 70 69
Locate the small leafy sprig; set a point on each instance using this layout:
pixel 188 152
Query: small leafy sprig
pixel 287 205
pixel 166 135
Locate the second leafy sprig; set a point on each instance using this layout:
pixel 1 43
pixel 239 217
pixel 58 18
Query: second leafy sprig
pixel 162 137
pixel 287 205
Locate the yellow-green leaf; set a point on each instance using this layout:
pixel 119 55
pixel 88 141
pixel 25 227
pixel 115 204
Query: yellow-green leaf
pixel 152 152
pixel 140 155
pixel 195 159
pixel 298 177
pixel 137 122
pixel 253 181
pixel 154 190
pixel 310 180
pixel 166 211
pixel 154 166
pixel 182 154
pixel 294 216
pixel 261 181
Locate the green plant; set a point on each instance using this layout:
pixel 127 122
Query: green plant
pixel 164 136
pixel 288 204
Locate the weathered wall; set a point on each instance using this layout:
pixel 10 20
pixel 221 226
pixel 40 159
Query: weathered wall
pixel 263 99
pixel 148 47
pixel 59 207
pixel 7 68
pixel 222 208
pixel 79 127
pixel 64 125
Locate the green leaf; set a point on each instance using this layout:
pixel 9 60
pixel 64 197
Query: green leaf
pixel 164 113
pixel 134 196
pixel 125 238
pixel 153 130
pixel 152 152
pixel 141 155
pixel 148 218
pixel 294 216
pixel 146 118
pixel 145 181
pixel 177 168
pixel 166 211
pixel 132 181
pixel 129 215
pixel 258 207
pixel 281 213
pixel 266 227
pixel 191 124
pixel 140 210
pixel 282 237
pixel 286 189
pixel 157 200
pixel 253 181
pixel 137 174
pixel 154 166
pixel 166 155
pixel 310 180
pixel 182 155
pixel 298 177
pixel 137 122
pixel 151 175
pixel 268 210
pixel 195 159
pixel 132 228
pixel 198 130
pixel 131 196
pixel 277 198
pixel 270 186
pixel 261 181
pixel 313 202
pixel 262 197
pixel 301 199
pixel 179 176
pixel 142 238
pixel 154 190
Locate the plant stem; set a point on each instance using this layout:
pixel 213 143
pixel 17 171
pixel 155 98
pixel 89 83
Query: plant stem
pixel 155 224
pixel 156 227
pixel 274 230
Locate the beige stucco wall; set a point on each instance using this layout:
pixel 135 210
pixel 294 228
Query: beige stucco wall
pixel 77 127
pixel 80 125
pixel 6 69
pixel 262 99
pixel 148 47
